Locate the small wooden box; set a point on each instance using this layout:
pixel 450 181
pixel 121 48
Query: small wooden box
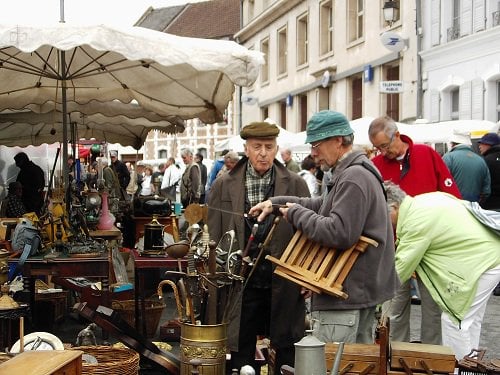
pixel 356 358
pixel 5 224
pixel 437 358
pixel 170 331
pixel 44 362
pixel 57 299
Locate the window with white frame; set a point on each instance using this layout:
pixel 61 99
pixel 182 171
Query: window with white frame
pixel 162 154
pixel 264 70
pixel 455 103
pixel 326 27
pixel 282 50
pixel 355 15
pixel 302 39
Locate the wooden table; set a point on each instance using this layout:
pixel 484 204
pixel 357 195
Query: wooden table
pixel 141 266
pixel 44 362
pixel 9 325
pixel 64 267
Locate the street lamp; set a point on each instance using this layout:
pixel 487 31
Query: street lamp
pixel 391 12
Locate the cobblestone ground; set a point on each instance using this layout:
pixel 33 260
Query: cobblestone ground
pixel 490 333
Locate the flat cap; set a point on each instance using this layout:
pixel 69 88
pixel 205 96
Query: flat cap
pixel 113 153
pixel 259 130
pixel 327 124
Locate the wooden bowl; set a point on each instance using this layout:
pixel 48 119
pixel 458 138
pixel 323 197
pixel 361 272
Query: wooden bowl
pixel 178 249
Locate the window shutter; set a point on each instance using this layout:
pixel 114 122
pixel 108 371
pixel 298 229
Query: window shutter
pixel 479 20
pixel 434 107
pixel 465 17
pixel 464 108
pixel 435 24
pixel 477 99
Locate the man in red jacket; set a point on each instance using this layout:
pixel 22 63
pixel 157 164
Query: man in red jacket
pixel 417 169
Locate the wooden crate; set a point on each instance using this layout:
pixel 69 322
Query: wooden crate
pixel 422 357
pixel 52 362
pixel 356 358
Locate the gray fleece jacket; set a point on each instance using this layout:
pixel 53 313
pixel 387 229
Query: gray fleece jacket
pixel 354 206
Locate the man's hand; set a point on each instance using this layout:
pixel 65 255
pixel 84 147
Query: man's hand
pixel 306 293
pixel 261 210
pixel 284 210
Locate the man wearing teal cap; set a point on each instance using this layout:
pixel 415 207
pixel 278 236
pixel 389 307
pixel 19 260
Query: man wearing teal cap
pixel 354 205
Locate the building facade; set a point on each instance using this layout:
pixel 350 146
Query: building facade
pixel 328 54
pixel 216 19
pixel 461 60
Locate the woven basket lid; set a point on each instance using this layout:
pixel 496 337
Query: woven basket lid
pixel 6 301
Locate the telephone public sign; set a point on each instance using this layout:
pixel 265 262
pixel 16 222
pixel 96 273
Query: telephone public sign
pixel 391 87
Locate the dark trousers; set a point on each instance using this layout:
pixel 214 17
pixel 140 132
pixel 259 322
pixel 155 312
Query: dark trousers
pixel 255 320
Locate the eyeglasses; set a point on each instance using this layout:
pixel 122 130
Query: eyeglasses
pixel 385 146
pixel 316 145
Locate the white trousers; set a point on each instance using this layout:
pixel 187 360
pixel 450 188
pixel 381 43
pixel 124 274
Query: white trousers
pixel 464 337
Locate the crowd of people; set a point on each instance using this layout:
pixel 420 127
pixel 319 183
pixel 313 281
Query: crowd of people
pixel 425 211
pixel 414 202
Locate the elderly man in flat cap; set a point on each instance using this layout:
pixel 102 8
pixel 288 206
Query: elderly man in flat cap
pixel 353 206
pixel 269 305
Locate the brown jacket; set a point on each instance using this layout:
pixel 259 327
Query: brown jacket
pixel 228 193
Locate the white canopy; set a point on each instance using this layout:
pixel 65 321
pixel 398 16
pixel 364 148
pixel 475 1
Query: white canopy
pixel 133 72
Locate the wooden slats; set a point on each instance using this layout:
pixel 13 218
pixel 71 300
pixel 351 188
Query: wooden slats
pixel 316 267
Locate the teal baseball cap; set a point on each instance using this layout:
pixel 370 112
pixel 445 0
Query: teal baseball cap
pixel 327 124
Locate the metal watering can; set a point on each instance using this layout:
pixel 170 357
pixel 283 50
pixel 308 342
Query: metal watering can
pixel 310 356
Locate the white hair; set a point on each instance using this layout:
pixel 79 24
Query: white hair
pixel 103 160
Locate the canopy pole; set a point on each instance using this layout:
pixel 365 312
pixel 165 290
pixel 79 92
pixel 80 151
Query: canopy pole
pixel 67 190
pixel 61 11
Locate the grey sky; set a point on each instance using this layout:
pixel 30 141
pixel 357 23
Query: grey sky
pixel 110 12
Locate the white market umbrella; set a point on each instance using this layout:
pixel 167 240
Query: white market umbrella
pixel 164 74
pixel 24 128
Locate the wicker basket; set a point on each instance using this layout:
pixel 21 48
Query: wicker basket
pixel 110 361
pixel 154 309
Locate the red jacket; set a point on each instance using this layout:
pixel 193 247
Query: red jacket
pixel 422 170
